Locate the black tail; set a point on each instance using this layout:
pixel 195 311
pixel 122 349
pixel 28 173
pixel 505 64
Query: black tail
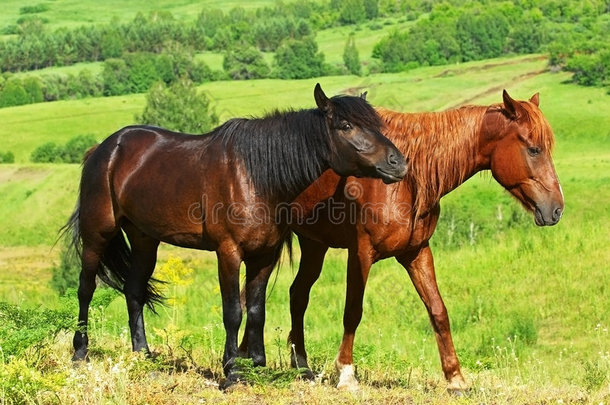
pixel 115 263
pixel 116 266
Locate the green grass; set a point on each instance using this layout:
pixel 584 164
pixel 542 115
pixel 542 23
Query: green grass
pixel 332 41
pixel 74 13
pixel 529 306
pixel 93 67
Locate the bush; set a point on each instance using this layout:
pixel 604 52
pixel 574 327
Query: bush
pixel 13 94
pixel 48 152
pixel 299 59
pixel 72 152
pixel 245 63
pixel 178 107
pixel 75 148
pixel 7 157
pixel 21 329
pixel 66 275
pixel 590 70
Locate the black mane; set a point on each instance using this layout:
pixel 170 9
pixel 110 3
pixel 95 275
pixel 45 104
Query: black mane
pixel 285 152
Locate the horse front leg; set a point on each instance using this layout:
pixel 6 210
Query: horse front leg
pixel 421 271
pixel 229 260
pixel 258 271
pixel 358 267
pixel 310 267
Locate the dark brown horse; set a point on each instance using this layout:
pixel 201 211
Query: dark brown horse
pixel 215 192
pixel 512 139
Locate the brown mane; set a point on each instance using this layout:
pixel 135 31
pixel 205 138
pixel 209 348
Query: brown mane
pixel 440 146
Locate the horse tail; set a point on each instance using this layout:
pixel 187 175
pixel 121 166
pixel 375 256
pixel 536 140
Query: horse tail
pixel 115 268
pixel 115 263
pixel 71 229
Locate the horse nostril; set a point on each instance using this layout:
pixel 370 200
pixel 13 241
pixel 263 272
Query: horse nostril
pixel 392 159
pixel 557 214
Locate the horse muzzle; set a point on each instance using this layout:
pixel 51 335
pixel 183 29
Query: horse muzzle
pixel 548 216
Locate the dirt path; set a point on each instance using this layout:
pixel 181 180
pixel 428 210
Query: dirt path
pixel 498 89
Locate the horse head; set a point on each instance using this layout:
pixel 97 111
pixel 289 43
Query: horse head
pixel 517 140
pixel 358 147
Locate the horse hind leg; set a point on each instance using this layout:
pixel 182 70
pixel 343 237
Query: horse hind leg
pixel 90 259
pixel 421 270
pixel 142 265
pixel 310 267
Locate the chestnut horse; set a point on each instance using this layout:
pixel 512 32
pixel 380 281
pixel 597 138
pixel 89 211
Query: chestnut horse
pixel 512 139
pixel 213 192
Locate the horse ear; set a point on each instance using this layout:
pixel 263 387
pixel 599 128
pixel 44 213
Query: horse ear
pixel 510 105
pixel 363 95
pixel 535 99
pixel 323 102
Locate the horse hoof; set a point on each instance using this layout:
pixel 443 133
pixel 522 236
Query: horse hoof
pixel 458 387
pixel 80 356
pixel 232 380
pixel 307 374
pixel 347 378
pixel 348 386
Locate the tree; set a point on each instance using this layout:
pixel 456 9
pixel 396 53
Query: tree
pixel 48 152
pixel 352 12
pixel 372 8
pixel 299 59
pixel 351 59
pixel 115 77
pixel 142 71
pixel 245 63
pixel 75 148
pixel 33 88
pixel 111 45
pixel 7 157
pixel 178 107
pixel 13 94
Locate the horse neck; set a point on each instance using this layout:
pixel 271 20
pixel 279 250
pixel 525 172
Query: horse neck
pixel 282 153
pixel 442 149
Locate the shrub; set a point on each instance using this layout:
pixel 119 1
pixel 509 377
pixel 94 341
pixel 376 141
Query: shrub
pixel 21 329
pixel 66 275
pixel 13 94
pixel 75 148
pixel 299 59
pixel 7 157
pixel 245 63
pixel 72 152
pixel 178 107
pixel 48 152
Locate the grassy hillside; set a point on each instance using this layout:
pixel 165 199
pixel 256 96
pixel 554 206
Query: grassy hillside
pixel 433 88
pixel 529 306
pixel 73 13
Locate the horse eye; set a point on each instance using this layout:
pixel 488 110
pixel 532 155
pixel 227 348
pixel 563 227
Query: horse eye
pixel 533 150
pixel 345 126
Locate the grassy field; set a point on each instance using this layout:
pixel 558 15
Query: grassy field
pixel 73 13
pixel 529 306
